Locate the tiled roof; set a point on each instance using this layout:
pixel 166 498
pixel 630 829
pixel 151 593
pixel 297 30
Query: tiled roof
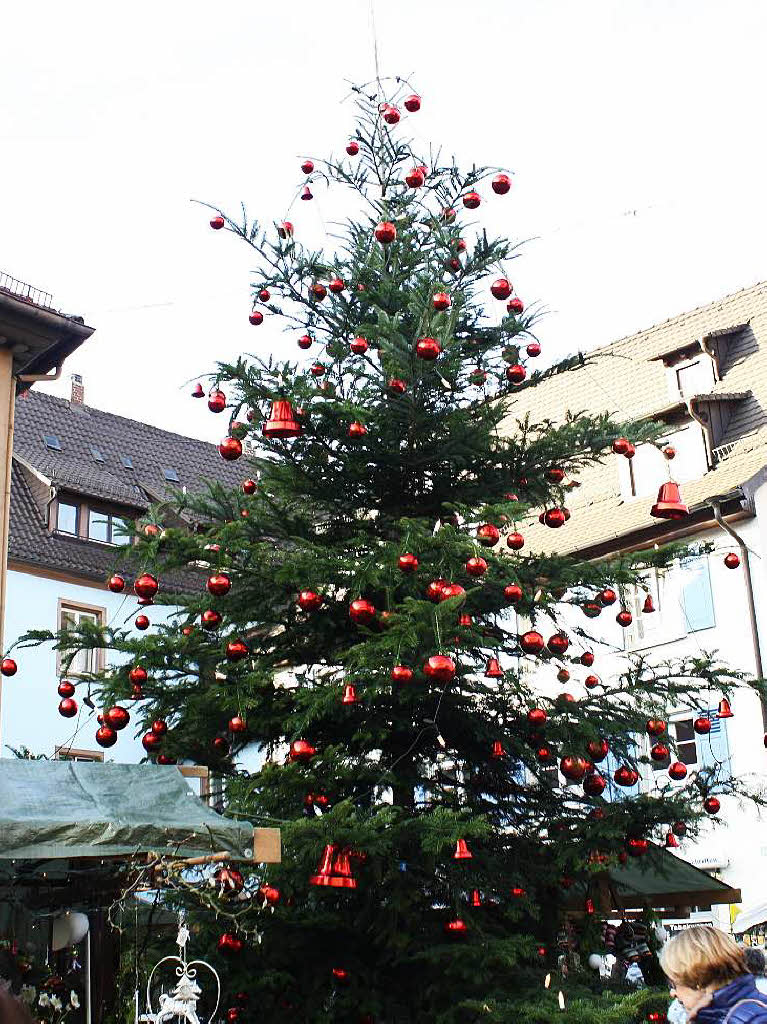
pixel 629 380
pixel 80 428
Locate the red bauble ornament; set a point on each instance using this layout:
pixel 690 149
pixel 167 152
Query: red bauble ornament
pixel 210 619
pixel 512 592
pixel 301 750
pixel 264 295
pixel 256 317
pixel 391 115
pixel 626 776
pixel 146 585
pixel 501 184
pixel 385 232
pixel 471 200
pixel 711 805
pixel 624 618
pixel 659 752
pixel 702 726
pixel 597 750
pixel 217 401
pixel 151 530
pixel 448 214
pixel 317 370
pixel 451 590
pixel 352 148
pixel 307 166
pixel 249 486
pixel 401 674
pixel 500 288
pixel 563 675
pixel 591 681
pixel 362 612
pixel 478 377
pixel 537 716
pixel 456 929
pixel 435 588
pixel 68 708
pixel 515 541
pixel 670 452
pixel 587 658
pixel 233 1015
pixel 533 349
pixel 679 829
pixel 441 301
pixel 515 374
pixel 336 285
pixel 66 689
pixel 141 622
pixel 440 668
pixel 655 726
pixel 106 736
pixel 488 535
pixel 219 584
pixel 594 784
pixel 309 601
pixel 305 341
pixel 359 346
pixel 476 566
pixel 555 474
pixel 285 229
pixel 516 306
pixel 407 562
pixel 620 445
pixel 531 642
pixel 217 223
pixel 229 880
pixel 630 451
pixel 230 449
pixel 558 643
pixel 677 770
pixel 412 103
pixel 636 847
pixel 415 178
pixel 573 767
pixel 236 650
pixel 150 741
pixel 731 560
pixel 554 518
pixel 270 894
pixel 8 667
pixel 159 727
pixel 607 596
pixel 237 724
pixel 397 386
pixel 137 675
pixel 220 745
pixel 318 291
pixel 229 944
pixel 117 717
pixel 166 759
pixel 356 430
pixel 116 583
pixel 428 348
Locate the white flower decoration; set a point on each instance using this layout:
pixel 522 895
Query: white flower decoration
pixel 74 1000
pixel 28 994
pixel 43 1000
pixel 56 1003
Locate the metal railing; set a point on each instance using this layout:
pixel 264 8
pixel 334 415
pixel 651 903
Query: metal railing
pixel 25 291
pixel 720 454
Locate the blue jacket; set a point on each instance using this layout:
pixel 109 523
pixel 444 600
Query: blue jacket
pixel 726 1001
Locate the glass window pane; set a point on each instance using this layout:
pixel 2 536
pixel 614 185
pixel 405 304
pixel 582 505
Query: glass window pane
pixel 697 601
pixel 67 518
pixel 118 528
pixel 67 619
pixel 684 730
pixel 687 752
pixel 98 525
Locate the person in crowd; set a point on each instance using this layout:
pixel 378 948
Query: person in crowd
pixel 11 1010
pixel 708 974
pixel 756 963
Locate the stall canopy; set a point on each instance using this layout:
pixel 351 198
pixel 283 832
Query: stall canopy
pixel 658 880
pixel 750 917
pixel 74 809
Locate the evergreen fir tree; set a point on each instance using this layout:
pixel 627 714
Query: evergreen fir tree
pixel 371 588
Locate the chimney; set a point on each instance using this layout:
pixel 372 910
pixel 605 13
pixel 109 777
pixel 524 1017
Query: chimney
pixel 78 391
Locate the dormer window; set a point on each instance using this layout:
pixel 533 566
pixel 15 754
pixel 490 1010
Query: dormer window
pixel 107 527
pixel 67 518
pixel 694 377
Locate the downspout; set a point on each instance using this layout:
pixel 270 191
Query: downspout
pixel 715 507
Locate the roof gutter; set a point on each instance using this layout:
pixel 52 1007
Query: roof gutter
pixel 30 378
pixel 716 509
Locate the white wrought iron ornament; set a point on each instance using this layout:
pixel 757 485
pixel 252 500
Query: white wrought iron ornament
pixel 181 1004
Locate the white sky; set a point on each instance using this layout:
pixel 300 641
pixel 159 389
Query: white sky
pixel 112 118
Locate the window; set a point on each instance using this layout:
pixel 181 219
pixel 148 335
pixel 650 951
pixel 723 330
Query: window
pixel 106 527
pixel 52 442
pixel 171 475
pixel 697 600
pixel 97 455
pixel 85 662
pixel 67 518
pixel 696 378
pixel 641 476
pixel 126 461
pixel 708 751
pixel 73 754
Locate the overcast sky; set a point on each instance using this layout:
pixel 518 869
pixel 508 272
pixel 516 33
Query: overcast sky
pixel 635 131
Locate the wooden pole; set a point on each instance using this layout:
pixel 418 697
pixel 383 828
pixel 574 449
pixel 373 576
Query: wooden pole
pixel 7 410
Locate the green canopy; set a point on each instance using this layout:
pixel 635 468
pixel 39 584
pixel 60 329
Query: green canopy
pixel 68 809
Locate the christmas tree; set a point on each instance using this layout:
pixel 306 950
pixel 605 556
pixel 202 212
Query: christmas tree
pixel 374 624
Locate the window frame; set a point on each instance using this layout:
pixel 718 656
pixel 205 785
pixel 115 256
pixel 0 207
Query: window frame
pixel 686 624
pixel 110 517
pixel 99 654
pixel 78 754
pixel 77 506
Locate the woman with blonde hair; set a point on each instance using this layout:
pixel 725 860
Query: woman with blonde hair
pixel 708 974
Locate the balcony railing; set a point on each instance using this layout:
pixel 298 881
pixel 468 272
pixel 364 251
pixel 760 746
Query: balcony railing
pixel 25 291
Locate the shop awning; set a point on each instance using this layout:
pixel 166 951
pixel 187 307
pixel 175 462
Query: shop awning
pixel 657 880
pixel 73 809
pixel 750 916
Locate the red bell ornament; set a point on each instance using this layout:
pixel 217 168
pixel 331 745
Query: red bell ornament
pixel 440 668
pixel 229 944
pixel 531 642
pixel 648 607
pixel 731 560
pixel 497 751
pixel 501 288
pixel 146 585
pixel 236 650
pixel 349 697
pixel 342 877
pixel 493 669
pixel 462 851
pixel 282 421
pixel 672 843
pixel 488 535
pixel 669 504
pixel 476 899
pixel 356 430
pixel 362 612
pixel 725 711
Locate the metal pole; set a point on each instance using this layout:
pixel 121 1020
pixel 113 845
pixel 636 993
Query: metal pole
pixel 744 560
pixel 88 1017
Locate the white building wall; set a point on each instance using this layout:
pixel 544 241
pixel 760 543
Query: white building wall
pixel 734 844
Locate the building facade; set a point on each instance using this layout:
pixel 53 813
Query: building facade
pixel 703 377
pixel 79 475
